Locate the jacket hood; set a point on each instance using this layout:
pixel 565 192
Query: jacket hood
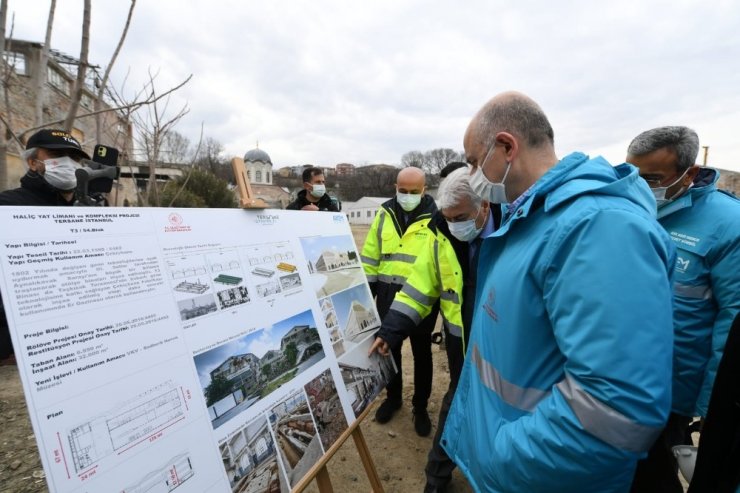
pixel 577 174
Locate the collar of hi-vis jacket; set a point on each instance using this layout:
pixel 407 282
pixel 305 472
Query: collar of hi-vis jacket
pixel 424 210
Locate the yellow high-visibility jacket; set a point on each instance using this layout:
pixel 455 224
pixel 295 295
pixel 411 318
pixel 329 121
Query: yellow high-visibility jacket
pixel 391 248
pixel 437 276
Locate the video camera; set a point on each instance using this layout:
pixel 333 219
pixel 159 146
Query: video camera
pixel 96 176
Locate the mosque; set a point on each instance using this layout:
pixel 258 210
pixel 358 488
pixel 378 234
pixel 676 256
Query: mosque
pixel 260 174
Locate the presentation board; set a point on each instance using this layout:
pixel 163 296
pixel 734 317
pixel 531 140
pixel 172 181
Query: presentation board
pixel 197 350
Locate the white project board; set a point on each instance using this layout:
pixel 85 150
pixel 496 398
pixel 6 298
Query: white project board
pixel 194 350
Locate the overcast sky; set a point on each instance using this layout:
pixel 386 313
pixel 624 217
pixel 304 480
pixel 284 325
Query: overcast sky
pixel 326 81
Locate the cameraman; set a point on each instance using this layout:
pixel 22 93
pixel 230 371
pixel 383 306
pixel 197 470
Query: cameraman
pixel 52 157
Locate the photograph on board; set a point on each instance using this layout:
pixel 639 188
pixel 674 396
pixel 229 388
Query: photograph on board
pixel 239 373
pixel 299 446
pixel 333 263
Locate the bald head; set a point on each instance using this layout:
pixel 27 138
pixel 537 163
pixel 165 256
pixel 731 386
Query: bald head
pixel 515 113
pixel 410 180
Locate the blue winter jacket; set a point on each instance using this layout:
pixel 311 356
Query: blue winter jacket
pixel 567 378
pixel 704 224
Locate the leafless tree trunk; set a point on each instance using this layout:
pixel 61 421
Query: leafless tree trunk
pixel 153 128
pixel 40 83
pixel 104 81
pixel 81 68
pixel 3 140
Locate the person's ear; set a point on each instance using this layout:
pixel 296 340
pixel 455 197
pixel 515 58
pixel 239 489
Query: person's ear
pixel 690 175
pixel 509 143
pixel 32 165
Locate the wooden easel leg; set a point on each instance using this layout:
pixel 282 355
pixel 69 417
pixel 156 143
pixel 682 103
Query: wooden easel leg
pixel 367 460
pixel 324 481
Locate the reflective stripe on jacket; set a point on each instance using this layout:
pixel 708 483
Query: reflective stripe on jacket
pixel 567 379
pixel 391 247
pixel 704 224
pixel 436 276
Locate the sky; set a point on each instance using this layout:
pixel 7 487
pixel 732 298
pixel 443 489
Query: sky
pixel 330 81
pixel 315 246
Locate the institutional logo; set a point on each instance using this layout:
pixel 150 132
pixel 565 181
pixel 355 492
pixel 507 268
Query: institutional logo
pixel 682 265
pixel 267 219
pixel 176 224
pixel 488 305
pixel 338 218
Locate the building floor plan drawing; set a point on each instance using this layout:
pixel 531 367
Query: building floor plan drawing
pixel 165 479
pixel 125 426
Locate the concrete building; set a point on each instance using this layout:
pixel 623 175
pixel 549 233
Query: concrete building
pixel 360 320
pixel 247 450
pixel 345 169
pixel 364 210
pixel 331 260
pixel 24 58
pixel 238 368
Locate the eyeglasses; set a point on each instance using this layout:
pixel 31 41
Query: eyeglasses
pixel 658 182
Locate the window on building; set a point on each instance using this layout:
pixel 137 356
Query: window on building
pixel 376 213
pixel 86 101
pixel 249 174
pixel 269 177
pixel 369 213
pixel 258 176
pixel 57 80
pixel 17 61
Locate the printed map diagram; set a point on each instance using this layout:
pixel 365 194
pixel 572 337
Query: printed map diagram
pixel 126 425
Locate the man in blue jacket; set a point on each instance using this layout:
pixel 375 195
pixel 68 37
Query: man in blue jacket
pixel 704 224
pixel 566 383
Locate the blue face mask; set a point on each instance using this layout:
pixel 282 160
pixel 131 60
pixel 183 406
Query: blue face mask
pixel 465 230
pixel 495 193
pixel 659 192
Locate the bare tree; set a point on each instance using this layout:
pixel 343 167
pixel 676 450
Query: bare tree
pixel 153 126
pixel 81 68
pixel 104 81
pixel 40 83
pixel 436 159
pixel 176 148
pixel 413 158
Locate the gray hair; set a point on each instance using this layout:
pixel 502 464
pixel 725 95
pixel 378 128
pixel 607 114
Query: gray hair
pixel 455 188
pixel 518 115
pixel 30 153
pixel 683 141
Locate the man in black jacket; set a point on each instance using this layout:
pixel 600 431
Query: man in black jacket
pixel 313 197
pixel 52 157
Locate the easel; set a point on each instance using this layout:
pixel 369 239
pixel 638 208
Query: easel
pixel 246 198
pixel 318 471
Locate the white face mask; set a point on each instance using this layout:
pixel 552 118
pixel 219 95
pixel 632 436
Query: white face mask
pixel 318 190
pixel 408 201
pixel 659 192
pixel 465 230
pixel 60 173
pixel 495 193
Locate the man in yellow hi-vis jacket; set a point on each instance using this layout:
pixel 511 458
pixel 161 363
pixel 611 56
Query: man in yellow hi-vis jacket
pixel 397 234
pixel 446 271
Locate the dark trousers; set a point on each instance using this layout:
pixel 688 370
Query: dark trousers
pixel 421 348
pixel 439 466
pixel 658 472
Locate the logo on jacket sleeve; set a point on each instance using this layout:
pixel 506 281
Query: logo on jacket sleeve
pixel 682 265
pixel 488 305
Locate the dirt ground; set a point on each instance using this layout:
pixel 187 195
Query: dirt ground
pixel 399 454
